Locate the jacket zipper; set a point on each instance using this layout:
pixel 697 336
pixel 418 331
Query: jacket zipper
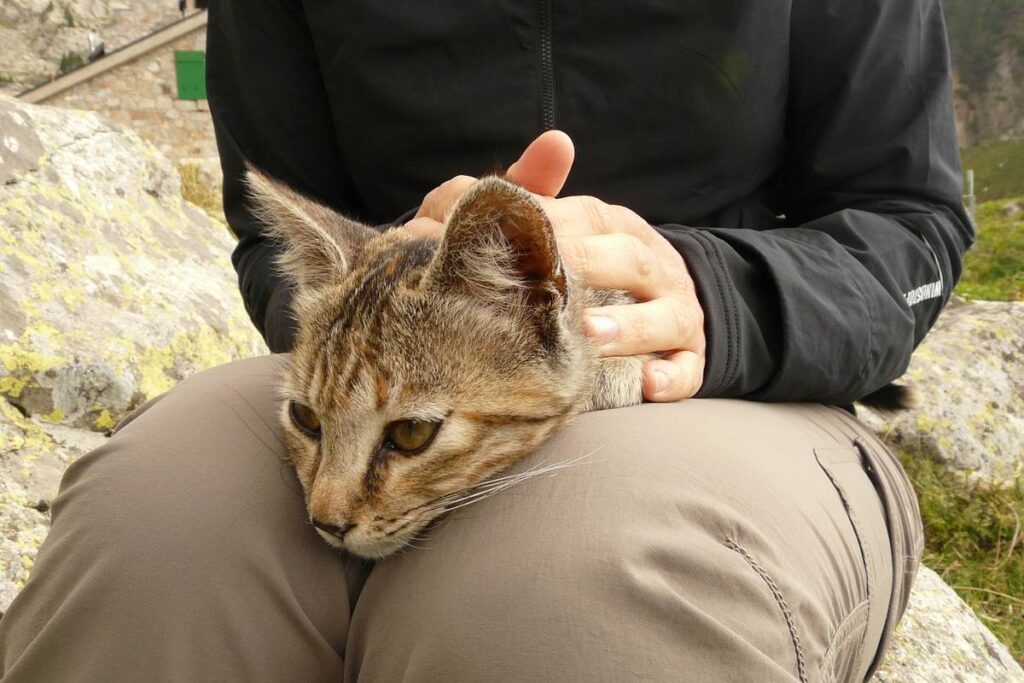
pixel 547 68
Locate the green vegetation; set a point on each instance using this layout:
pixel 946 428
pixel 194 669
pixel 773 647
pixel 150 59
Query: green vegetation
pixel 69 19
pixel 978 31
pixel 994 269
pixel 974 534
pixel 998 169
pixel 71 61
pixel 199 190
pixel 974 539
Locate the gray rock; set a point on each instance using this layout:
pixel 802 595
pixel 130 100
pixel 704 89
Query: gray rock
pixel 940 639
pixel 969 373
pixel 33 458
pixel 20 147
pixel 35 34
pixel 18 62
pixel 22 530
pixel 112 288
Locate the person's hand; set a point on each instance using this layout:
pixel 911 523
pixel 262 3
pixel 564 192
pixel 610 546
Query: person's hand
pixel 608 247
pixel 542 169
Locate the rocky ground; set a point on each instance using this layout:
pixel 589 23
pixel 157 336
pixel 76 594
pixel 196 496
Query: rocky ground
pixel 969 375
pixel 112 288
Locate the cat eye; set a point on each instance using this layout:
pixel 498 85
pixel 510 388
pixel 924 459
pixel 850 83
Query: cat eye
pixel 411 436
pixel 305 419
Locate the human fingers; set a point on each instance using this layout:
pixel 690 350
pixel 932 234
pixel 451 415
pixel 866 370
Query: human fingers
pixel 582 215
pixel 440 201
pixel 668 323
pixel 424 227
pixel 614 261
pixel 675 377
pixel 545 164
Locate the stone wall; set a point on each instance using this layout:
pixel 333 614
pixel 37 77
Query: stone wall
pixel 143 95
pixel 35 34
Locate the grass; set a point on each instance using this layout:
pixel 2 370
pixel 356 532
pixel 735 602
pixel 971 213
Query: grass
pixel 975 540
pixel 70 61
pixel 196 188
pixel 974 535
pixel 994 269
pixel 998 169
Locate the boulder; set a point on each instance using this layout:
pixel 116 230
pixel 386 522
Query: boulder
pixel 969 375
pixel 33 457
pixel 940 639
pixel 112 287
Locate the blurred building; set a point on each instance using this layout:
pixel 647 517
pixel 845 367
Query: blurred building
pixel 155 85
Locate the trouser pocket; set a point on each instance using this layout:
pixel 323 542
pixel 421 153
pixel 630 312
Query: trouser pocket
pixel 855 640
pixel 903 521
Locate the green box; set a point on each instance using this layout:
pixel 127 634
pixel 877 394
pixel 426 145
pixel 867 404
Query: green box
pixel 190 66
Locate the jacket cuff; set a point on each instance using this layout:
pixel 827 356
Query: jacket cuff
pixel 716 297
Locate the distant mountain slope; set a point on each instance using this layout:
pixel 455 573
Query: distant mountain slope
pixel 987 42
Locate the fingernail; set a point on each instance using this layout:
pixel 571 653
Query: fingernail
pixel 602 329
pixel 660 381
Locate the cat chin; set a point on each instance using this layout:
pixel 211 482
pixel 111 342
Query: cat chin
pixel 331 540
pixel 368 548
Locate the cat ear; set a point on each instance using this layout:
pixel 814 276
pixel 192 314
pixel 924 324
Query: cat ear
pixel 318 242
pixel 498 241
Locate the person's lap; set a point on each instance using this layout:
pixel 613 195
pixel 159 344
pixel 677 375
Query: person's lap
pixel 706 539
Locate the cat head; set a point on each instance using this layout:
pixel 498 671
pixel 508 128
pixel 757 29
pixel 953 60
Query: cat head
pixel 420 368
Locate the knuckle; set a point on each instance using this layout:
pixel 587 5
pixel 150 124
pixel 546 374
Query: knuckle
pixel 639 257
pixel 576 255
pixel 592 209
pixel 681 321
pixel 637 331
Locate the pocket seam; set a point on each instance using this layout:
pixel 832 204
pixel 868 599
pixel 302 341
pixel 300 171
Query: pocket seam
pixel 824 461
pixel 827 457
pixel 779 599
pixel 856 619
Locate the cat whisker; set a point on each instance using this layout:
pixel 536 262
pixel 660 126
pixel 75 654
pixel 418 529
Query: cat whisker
pixel 471 494
pixel 494 486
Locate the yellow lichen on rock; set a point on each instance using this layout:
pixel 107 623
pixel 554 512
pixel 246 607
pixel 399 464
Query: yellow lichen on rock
pixel 119 285
pixel 105 422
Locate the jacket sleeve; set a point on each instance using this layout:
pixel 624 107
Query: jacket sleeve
pixel 270 107
pixel 830 306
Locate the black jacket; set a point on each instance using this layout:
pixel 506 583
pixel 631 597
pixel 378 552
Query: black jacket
pixel 800 154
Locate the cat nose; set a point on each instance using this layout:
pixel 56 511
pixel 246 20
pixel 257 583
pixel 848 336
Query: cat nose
pixel 336 530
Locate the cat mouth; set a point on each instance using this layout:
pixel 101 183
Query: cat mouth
pixel 376 546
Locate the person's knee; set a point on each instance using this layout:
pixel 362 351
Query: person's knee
pixel 193 471
pixel 670 531
pixel 186 533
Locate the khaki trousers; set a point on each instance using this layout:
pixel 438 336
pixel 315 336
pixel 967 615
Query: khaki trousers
pixel 708 540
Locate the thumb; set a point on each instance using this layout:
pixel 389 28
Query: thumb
pixel 545 164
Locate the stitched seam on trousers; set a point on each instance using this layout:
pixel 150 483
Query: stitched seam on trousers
pixel 856 619
pixel 786 613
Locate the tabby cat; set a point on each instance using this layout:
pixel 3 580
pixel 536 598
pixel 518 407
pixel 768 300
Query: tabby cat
pixel 420 367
